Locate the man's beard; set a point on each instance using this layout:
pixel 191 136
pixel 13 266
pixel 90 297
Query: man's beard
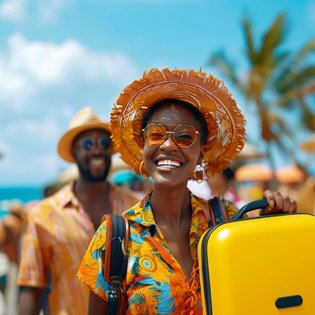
pixel 90 178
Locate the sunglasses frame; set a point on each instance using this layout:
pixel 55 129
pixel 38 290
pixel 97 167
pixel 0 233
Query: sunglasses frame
pixel 197 133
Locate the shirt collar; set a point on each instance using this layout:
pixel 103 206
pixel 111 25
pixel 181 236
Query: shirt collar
pixel 67 197
pixel 142 214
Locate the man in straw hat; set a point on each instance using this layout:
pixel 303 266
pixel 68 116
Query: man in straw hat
pixel 60 227
pixel 169 125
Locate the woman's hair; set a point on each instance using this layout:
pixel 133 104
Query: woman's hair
pixel 228 173
pixel 199 117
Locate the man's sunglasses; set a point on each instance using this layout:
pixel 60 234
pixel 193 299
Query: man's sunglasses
pixel 89 144
pixel 183 135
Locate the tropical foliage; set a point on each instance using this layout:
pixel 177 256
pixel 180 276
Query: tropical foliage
pixel 276 80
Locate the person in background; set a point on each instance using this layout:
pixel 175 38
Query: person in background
pixel 50 190
pixel 222 184
pixel 181 121
pixel 11 226
pixel 60 227
pixel 12 220
pixel 131 180
pixel 304 188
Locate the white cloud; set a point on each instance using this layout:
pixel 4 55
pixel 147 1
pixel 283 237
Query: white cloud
pixel 13 10
pixel 29 169
pixel 42 85
pixel 45 11
pixel 28 67
pixel 48 10
pixel 45 129
pixel 29 152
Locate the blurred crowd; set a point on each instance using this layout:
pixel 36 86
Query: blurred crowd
pixel 243 181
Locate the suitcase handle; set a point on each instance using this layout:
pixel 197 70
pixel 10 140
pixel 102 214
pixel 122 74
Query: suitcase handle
pixel 257 204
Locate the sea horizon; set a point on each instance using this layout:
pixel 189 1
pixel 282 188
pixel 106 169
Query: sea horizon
pixel 22 193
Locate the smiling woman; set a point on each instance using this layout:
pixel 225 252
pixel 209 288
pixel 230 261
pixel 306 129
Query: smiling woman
pixel 205 94
pixel 170 125
pixel 175 152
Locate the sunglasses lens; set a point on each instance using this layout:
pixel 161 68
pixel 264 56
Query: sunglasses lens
pixel 184 135
pixel 87 144
pixel 104 143
pixel 155 135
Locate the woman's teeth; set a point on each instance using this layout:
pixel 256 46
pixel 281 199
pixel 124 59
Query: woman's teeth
pixel 168 163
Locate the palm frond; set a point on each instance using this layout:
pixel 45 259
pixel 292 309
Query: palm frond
pixel 276 78
pixel 304 76
pixel 307 49
pixel 308 119
pixel 272 38
pixel 249 41
pixel 225 66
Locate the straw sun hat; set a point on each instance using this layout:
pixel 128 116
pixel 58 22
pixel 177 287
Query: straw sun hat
pixel 226 124
pixel 82 121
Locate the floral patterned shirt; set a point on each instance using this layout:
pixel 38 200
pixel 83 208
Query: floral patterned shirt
pixel 56 237
pixel 156 282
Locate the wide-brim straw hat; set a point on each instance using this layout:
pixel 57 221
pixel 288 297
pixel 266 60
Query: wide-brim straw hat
pixel 82 121
pixel 226 124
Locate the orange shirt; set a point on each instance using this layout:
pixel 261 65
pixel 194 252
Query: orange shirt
pixel 156 282
pixel 57 234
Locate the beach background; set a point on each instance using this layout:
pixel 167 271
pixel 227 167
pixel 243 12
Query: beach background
pixel 58 56
pixel 23 194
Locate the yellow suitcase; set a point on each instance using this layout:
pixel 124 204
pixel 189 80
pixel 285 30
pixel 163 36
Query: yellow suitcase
pixel 259 266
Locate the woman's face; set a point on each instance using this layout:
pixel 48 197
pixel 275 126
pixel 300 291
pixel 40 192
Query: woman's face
pixel 168 163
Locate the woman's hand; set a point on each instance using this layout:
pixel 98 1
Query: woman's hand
pixel 278 203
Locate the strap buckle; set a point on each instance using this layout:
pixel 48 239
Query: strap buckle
pixel 112 296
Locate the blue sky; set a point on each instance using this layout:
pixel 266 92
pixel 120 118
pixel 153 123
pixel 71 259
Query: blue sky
pixel 57 56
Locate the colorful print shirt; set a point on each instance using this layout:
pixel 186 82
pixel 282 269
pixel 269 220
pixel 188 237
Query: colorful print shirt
pixel 156 282
pixel 57 235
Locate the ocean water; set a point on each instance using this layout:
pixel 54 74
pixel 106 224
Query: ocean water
pixel 23 194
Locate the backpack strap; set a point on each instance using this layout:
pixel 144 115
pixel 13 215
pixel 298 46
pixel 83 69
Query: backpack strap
pixel 217 211
pixel 116 260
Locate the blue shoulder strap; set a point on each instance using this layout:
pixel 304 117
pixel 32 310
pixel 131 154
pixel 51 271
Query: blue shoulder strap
pixel 216 208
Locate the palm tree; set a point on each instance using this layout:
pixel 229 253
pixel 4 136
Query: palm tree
pixel 295 82
pixel 275 79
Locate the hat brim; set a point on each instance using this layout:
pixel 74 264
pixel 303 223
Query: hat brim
pixel 65 143
pixel 226 123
